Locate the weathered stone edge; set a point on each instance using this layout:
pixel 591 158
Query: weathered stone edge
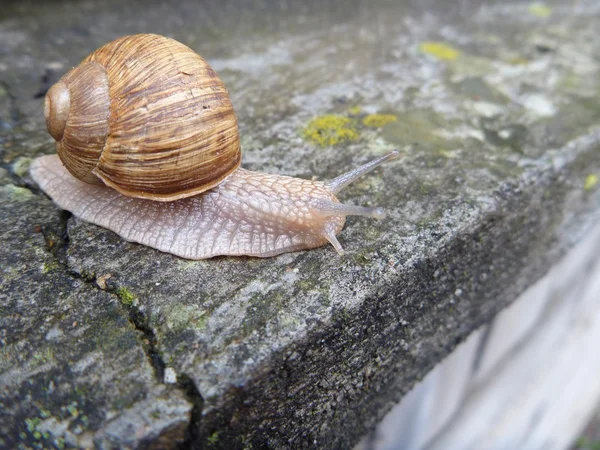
pixel 330 389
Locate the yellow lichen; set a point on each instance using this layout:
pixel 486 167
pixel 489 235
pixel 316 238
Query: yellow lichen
pixel 330 130
pixel 50 266
pixel 518 61
pixel 540 10
pixel 439 50
pixel 126 296
pixel 16 193
pixel 590 182
pixel 21 166
pixel 378 120
pixel 355 110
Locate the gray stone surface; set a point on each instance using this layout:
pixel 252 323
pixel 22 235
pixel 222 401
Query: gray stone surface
pixel 497 114
pixel 74 368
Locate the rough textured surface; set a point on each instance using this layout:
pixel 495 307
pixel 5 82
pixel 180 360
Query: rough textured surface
pixel 526 380
pixel 496 113
pixel 74 370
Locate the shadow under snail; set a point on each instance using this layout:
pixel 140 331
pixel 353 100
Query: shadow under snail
pixel 148 147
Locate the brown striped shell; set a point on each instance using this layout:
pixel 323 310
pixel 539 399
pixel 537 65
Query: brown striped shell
pixel 147 116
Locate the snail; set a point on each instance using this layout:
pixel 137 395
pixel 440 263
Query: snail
pixel 148 147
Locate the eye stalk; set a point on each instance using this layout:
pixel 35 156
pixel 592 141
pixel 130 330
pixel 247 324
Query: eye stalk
pixel 56 109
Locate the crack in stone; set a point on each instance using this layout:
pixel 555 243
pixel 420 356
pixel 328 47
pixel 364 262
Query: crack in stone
pixel 141 323
pixel 192 434
pixel 137 318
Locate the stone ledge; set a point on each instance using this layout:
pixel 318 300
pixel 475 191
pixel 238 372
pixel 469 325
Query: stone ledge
pixel 525 380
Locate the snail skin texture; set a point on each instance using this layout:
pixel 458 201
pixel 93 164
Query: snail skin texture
pixel 148 147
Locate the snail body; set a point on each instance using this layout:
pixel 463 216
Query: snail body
pixel 148 147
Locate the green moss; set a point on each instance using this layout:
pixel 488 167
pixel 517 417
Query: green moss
pixel 126 296
pixel 109 333
pixel 213 440
pixel 590 182
pixel 51 267
pixel 540 10
pixel 72 409
pixel 362 257
pixel 264 307
pixel 21 166
pixel 180 317
pixel 330 130
pixel 16 193
pixel 4 178
pixel 305 285
pixel 32 424
pixel 43 357
pixel 378 120
pixel 439 50
pixel 189 264
pixel 372 232
pixel 88 275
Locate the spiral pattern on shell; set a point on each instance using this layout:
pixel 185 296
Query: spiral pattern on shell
pixel 147 116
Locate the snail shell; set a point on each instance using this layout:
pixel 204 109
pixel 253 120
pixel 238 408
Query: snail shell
pixel 147 116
